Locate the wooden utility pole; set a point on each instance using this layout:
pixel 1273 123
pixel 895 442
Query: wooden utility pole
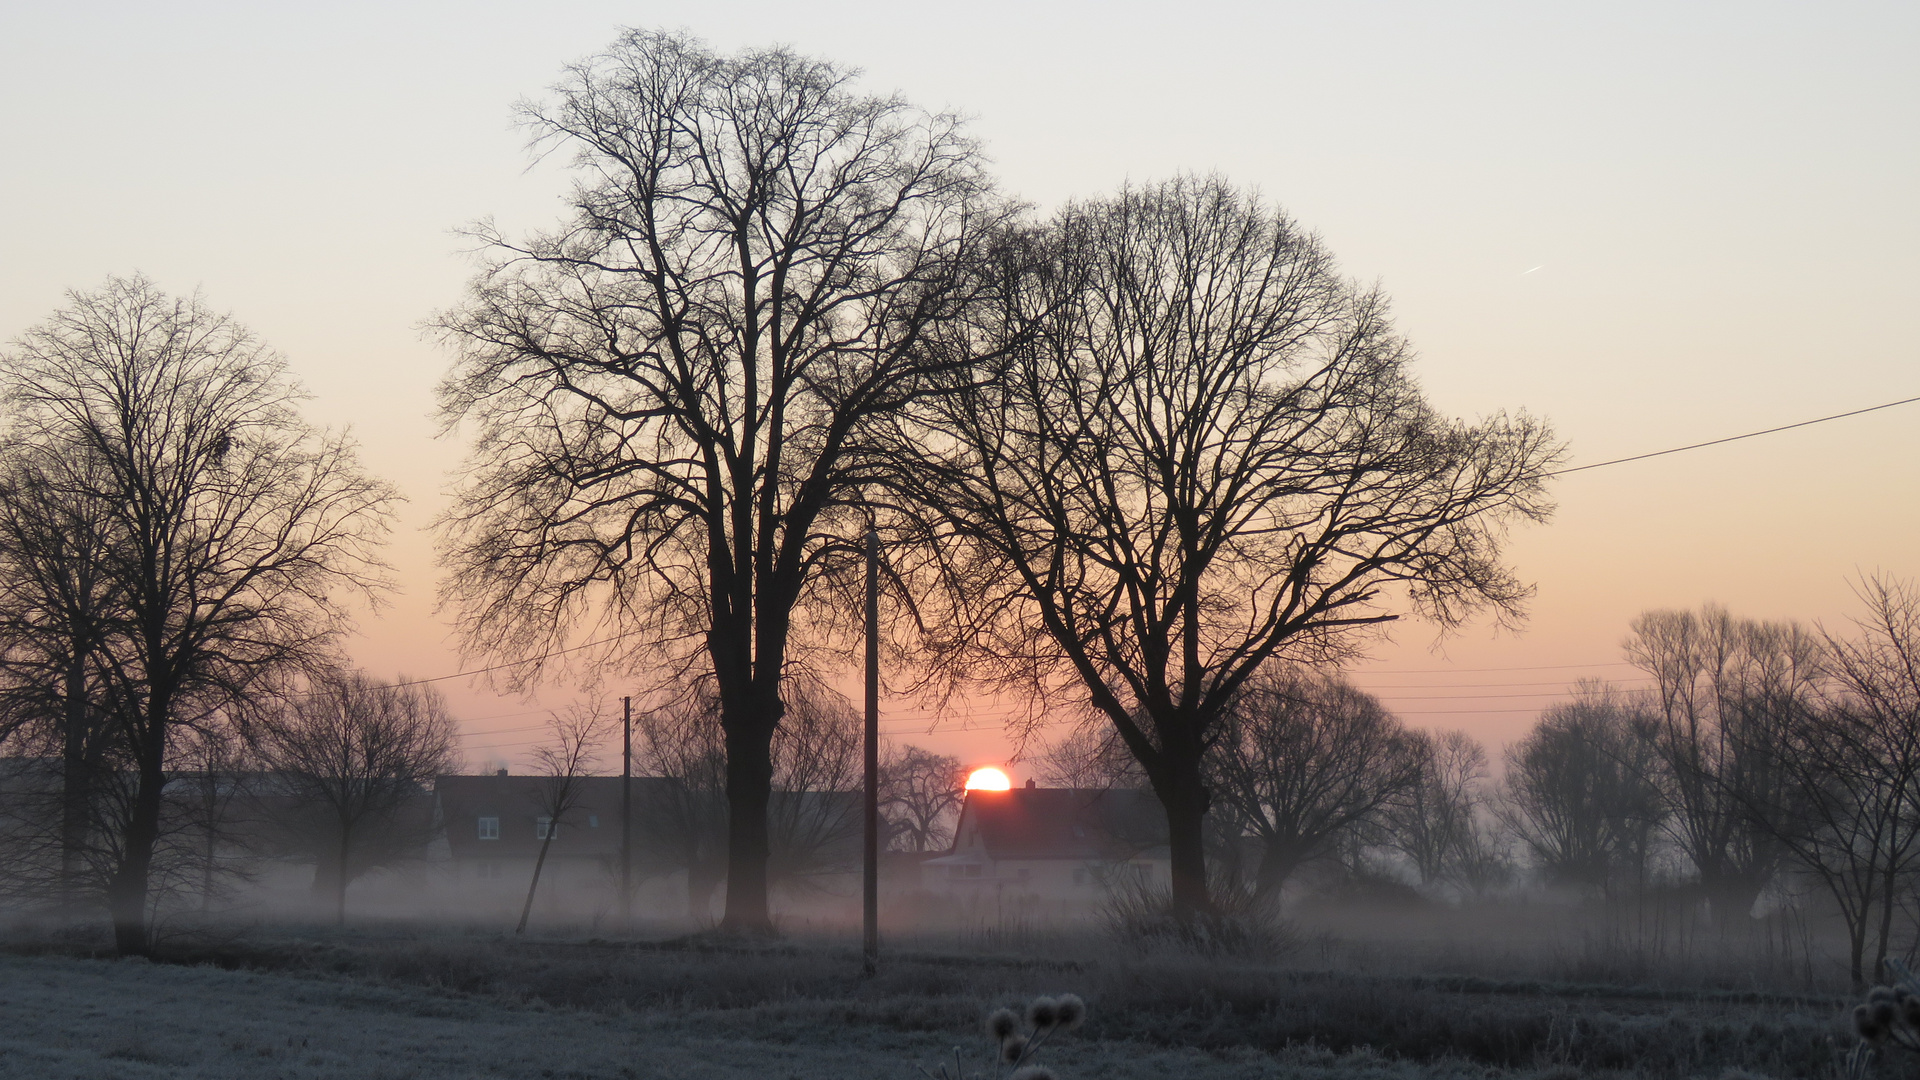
pixel 626 816
pixel 870 886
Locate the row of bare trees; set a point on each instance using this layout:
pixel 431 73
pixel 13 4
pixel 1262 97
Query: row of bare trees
pixel 1764 753
pixel 176 547
pixel 1126 456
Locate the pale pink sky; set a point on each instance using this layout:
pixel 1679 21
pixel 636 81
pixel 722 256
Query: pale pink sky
pixel 1717 198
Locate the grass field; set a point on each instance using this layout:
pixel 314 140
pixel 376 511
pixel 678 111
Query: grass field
pixel 404 1001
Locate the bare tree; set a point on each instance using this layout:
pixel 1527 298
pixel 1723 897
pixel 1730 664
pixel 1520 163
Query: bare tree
pixel 1090 755
pixel 814 820
pixel 564 760
pixel 1210 456
pixel 920 795
pixel 1435 821
pixel 1850 810
pixel 813 814
pixel 1579 793
pixel 1303 762
pixel 681 740
pixel 1715 677
pixel 362 753
pixel 235 533
pixel 672 394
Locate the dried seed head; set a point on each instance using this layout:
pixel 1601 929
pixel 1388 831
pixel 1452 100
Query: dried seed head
pixel 1069 1010
pixel 1032 1072
pixel 1910 1011
pixel 1884 1013
pixel 1042 1013
pixel 1002 1023
pixel 1865 1026
pixel 1880 993
pixel 1013 1048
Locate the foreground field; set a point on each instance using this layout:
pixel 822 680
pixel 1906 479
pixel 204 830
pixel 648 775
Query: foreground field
pixel 427 1006
pixel 66 1019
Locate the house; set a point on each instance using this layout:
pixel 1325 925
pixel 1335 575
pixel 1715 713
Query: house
pixel 1064 848
pixel 496 825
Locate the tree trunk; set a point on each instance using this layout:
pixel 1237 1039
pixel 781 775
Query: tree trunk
pixel 553 826
pixel 75 790
pixel 340 877
pixel 749 793
pixel 127 889
pixel 1276 866
pixel 1183 795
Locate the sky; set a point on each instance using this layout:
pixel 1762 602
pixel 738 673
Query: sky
pixel 1653 224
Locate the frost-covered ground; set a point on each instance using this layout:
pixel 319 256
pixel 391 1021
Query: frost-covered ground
pixel 64 1018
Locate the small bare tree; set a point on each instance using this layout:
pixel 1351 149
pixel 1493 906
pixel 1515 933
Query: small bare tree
pixel 681 740
pixel 813 815
pixel 1091 756
pixel 1304 761
pixel 1849 809
pixel 920 794
pixel 567 757
pixel 1435 821
pixel 1715 678
pixel 1579 792
pixel 361 753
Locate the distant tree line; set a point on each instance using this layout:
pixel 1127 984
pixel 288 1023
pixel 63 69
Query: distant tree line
pixel 1763 755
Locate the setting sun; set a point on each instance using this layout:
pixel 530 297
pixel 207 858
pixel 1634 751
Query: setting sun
pixel 988 779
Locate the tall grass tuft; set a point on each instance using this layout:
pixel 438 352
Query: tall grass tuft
pixel 1140 914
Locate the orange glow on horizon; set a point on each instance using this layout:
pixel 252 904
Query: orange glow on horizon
pixel 988 779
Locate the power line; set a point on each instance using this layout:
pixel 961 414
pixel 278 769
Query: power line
pixel 1734 438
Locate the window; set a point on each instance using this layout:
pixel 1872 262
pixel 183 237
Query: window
pixel 593 821
pixel 489 828
pixel 542 828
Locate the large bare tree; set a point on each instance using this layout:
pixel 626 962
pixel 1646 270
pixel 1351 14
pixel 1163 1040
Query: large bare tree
pixel 1211 455
pixel 671 393
pixel 235 534
pixel 357 755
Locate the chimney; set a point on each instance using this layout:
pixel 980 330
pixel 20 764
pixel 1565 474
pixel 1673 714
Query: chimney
pixel 1029 785
pixel 502 772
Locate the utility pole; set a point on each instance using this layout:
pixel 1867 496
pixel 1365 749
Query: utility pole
pixel 870 886
pixel 626 816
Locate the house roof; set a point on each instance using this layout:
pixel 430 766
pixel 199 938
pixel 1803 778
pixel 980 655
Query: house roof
pixel 1082 824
